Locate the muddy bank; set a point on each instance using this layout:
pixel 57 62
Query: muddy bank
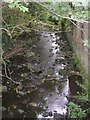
pixel 43 68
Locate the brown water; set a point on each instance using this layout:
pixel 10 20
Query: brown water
pixel 43 70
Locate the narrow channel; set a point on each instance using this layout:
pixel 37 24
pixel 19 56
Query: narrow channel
pixel 42 70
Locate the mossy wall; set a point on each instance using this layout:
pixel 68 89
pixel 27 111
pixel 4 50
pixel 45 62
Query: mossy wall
pixel 76 38
pixel 78 43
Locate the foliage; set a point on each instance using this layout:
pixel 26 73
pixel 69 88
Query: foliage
pixel 85 87
pixel 84 98
pixel 75 111
pixel 38 11
pixel 74 10
pixel 19 5
pixel 82 72
pixel 14 16
pixel 67 25
pixel 71 10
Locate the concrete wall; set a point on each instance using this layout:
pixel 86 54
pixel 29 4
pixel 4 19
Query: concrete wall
pixel 78 43
pixel 76 37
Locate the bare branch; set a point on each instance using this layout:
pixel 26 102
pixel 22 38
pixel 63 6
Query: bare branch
pixel 6 75
pixel 5 69
pixel 10 79
pixel 8 32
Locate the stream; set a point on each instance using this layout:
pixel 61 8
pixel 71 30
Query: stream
pixel 45 70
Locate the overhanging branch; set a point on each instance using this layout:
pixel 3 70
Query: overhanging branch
pixel 68 18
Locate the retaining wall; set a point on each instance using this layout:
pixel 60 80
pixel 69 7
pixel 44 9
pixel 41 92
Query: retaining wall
pixel 76 37
pixel 78 43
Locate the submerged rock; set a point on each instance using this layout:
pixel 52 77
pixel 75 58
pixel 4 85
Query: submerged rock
pixel 20 111
pixel 50 113
pixel 33 104
pixel 46 114
pixel 21 93
pixel 58 116
pixel 29 54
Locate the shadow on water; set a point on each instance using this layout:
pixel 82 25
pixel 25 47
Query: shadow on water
pixel 43 70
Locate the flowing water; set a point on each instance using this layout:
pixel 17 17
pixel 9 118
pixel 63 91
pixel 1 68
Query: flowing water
pixel 44 72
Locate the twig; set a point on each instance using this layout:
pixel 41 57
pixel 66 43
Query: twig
pixel 7 31
pixel 5 69
pixel 10 79
pixel 15 28
pixel 6 75
pixel 4 22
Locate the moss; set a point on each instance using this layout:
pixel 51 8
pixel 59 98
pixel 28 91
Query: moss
pixel 82 72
